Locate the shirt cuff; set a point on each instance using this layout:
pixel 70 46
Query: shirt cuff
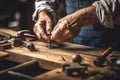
pixel 43 5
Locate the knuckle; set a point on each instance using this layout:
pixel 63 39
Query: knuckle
pixel 41 31
pixel 59 21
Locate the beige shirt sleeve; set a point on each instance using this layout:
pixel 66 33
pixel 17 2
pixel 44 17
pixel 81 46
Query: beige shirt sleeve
pixel 41 5
pixel 108 12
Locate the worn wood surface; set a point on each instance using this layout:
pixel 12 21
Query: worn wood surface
pixel 52 59
pixel 56 74
pixel 55 57
pixel 3 54
pixel 8 31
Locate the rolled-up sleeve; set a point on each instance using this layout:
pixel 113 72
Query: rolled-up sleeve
pixel 108 12
pixel 41 5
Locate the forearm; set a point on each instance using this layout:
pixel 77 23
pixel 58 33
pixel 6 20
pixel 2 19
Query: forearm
pixel 85 16
pixel 88 16
pixel 105 12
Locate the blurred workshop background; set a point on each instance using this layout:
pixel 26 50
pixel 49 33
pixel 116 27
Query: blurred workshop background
pixel 17 14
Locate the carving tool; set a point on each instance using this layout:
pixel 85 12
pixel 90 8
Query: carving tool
pixel 49 44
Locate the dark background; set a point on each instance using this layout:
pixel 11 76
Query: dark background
pixel 16 11
pixel 17 14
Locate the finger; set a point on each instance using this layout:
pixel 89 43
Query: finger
pixel 59 30
pixel 63 38
pixel 42 33
pixel 36 31
pixel 49 24
pixel 56 33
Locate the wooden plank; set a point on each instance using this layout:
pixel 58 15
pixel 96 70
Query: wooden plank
pixel 53 55
pixel 48 58
pixel 70 48
pixel 8 31
pixel 3 54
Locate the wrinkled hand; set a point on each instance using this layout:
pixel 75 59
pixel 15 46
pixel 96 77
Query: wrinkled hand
pixel 66 29
pixel 43 26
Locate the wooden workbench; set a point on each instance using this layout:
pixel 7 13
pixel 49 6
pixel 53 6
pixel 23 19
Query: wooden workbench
pixel 52 59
